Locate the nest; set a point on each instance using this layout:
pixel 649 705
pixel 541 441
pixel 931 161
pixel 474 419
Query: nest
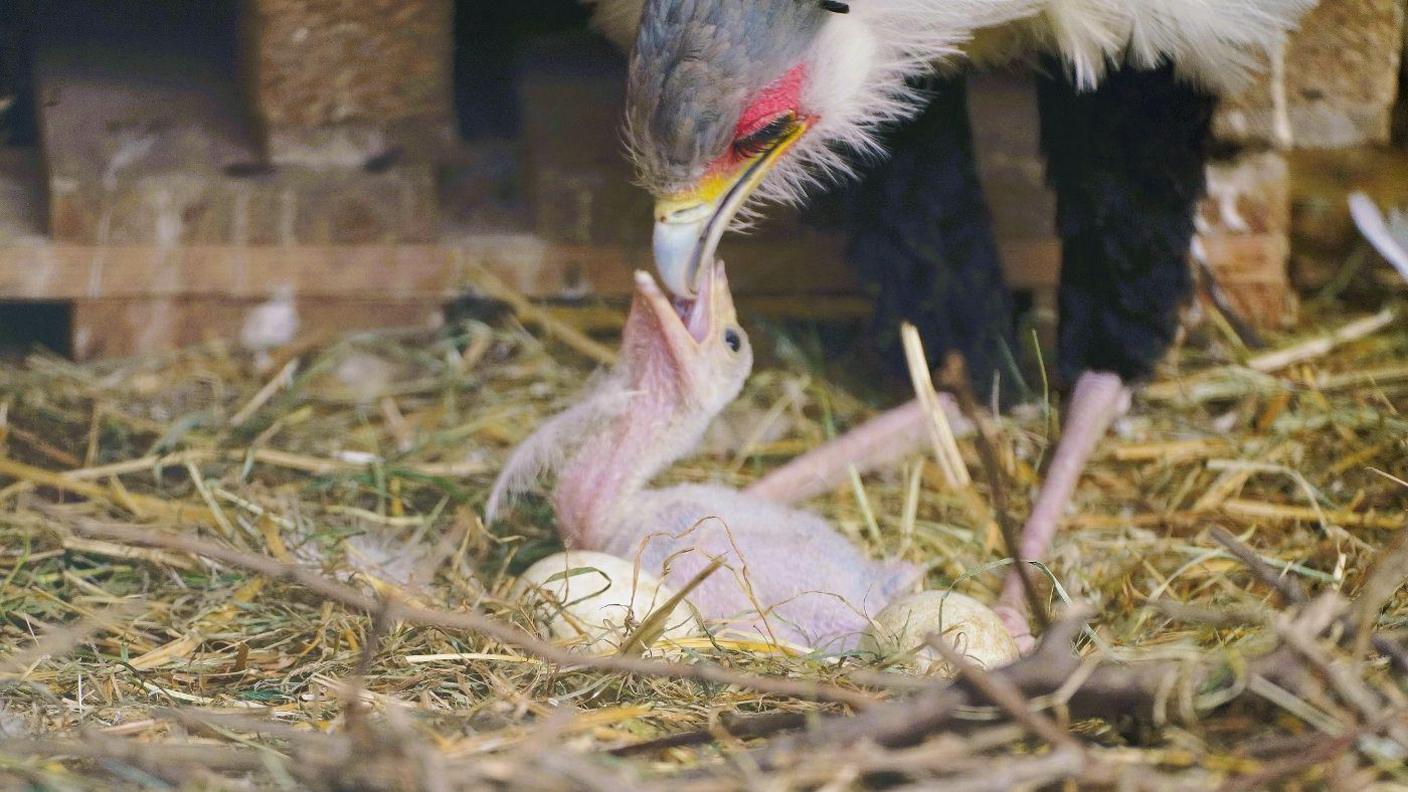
pixel 216 576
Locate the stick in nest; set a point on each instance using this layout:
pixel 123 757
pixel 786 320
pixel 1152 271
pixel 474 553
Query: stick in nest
pixel 1389 572
pixel 532 314
pixel 985 438
pixel 1286 586
pixel 1003 693
pixel 945 446
pixel 468 621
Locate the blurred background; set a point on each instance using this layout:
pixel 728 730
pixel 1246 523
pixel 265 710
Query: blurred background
pixel 174 172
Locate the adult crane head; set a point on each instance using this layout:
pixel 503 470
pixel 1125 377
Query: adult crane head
pixel 735 100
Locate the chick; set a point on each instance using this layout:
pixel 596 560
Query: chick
pixel 788 574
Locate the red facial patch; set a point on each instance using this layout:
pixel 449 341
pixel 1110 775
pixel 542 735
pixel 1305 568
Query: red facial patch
pixel 782 95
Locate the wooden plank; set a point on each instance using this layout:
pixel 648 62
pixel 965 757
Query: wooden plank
pixel 1244 235
pixel 535 268
pixel 1003 108
pixel 110 328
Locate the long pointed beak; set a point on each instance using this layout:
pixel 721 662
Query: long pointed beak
pixel 688 227
pixel 682 232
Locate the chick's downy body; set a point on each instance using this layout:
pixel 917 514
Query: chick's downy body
pixel 810 584
pixel 788 575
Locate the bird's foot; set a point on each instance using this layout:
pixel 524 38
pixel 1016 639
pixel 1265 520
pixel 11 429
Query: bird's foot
pixel 1099 399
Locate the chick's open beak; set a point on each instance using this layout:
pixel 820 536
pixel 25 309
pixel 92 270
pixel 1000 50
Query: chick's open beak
pixel 684 323
pixel 689 225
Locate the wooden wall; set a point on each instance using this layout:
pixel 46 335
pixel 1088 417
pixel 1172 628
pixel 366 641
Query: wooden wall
pixel 196 164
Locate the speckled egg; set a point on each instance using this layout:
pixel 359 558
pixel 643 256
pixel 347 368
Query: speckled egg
pixel 594 601
pixel 897 633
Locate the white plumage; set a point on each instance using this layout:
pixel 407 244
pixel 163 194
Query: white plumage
pixel 270 325
pixel 1389 237
pixel 1216 42
pixel 864 58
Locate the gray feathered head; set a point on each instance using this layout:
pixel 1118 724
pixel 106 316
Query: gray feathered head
pixel 735 100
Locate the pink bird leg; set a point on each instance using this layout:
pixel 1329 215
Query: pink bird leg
pixel 1099 398
pixel 874 445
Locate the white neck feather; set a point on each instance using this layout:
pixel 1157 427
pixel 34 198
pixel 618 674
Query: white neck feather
pixel 860 69
pixel 862 61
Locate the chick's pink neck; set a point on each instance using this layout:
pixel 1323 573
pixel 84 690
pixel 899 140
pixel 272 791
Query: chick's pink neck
pixel 599 480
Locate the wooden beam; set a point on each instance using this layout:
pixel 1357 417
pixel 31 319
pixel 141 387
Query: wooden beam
pixel 404 272
pixel 110 328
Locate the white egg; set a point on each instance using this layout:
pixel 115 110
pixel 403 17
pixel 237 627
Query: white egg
pixel 594 601
pixel 897 633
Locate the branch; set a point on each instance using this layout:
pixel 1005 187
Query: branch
pixel 154 756
pixel 1288 587
pixel 469 621
pixel 1002 692
pixel 1389 571
pixel 956 380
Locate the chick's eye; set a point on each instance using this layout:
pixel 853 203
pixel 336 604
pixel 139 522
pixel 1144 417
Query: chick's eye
pixel 732 339
pixel 760 140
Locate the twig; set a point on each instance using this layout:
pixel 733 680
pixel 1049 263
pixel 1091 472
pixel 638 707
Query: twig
pixel 156 756
pixel 279 380
pixel 1003 693
pixel 1342 676
pixel 905 722
pixel 945 446
pixel 1316 347
pixel 470 621
pixel 1051 677
pixel 1317 755
pixel 1387 575
pixel 1108 691
pixel 1393 561
pixel 740 727
pixel 140 465
pixel 1032 773
pixel 1288 587
pixel 532 314
pixel 956 379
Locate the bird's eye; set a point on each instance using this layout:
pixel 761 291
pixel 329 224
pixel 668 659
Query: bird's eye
pixel 732 339
pixel 761 139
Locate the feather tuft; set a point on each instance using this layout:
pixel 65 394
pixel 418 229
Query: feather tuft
pixel 544 451
pixel 1389 238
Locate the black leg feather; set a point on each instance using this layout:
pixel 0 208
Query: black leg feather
pixel 922 235
pixel 1127 162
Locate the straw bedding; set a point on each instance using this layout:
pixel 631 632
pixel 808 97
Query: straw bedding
pixel 217 577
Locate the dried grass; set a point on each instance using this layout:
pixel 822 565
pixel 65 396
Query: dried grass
pixel 129 664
